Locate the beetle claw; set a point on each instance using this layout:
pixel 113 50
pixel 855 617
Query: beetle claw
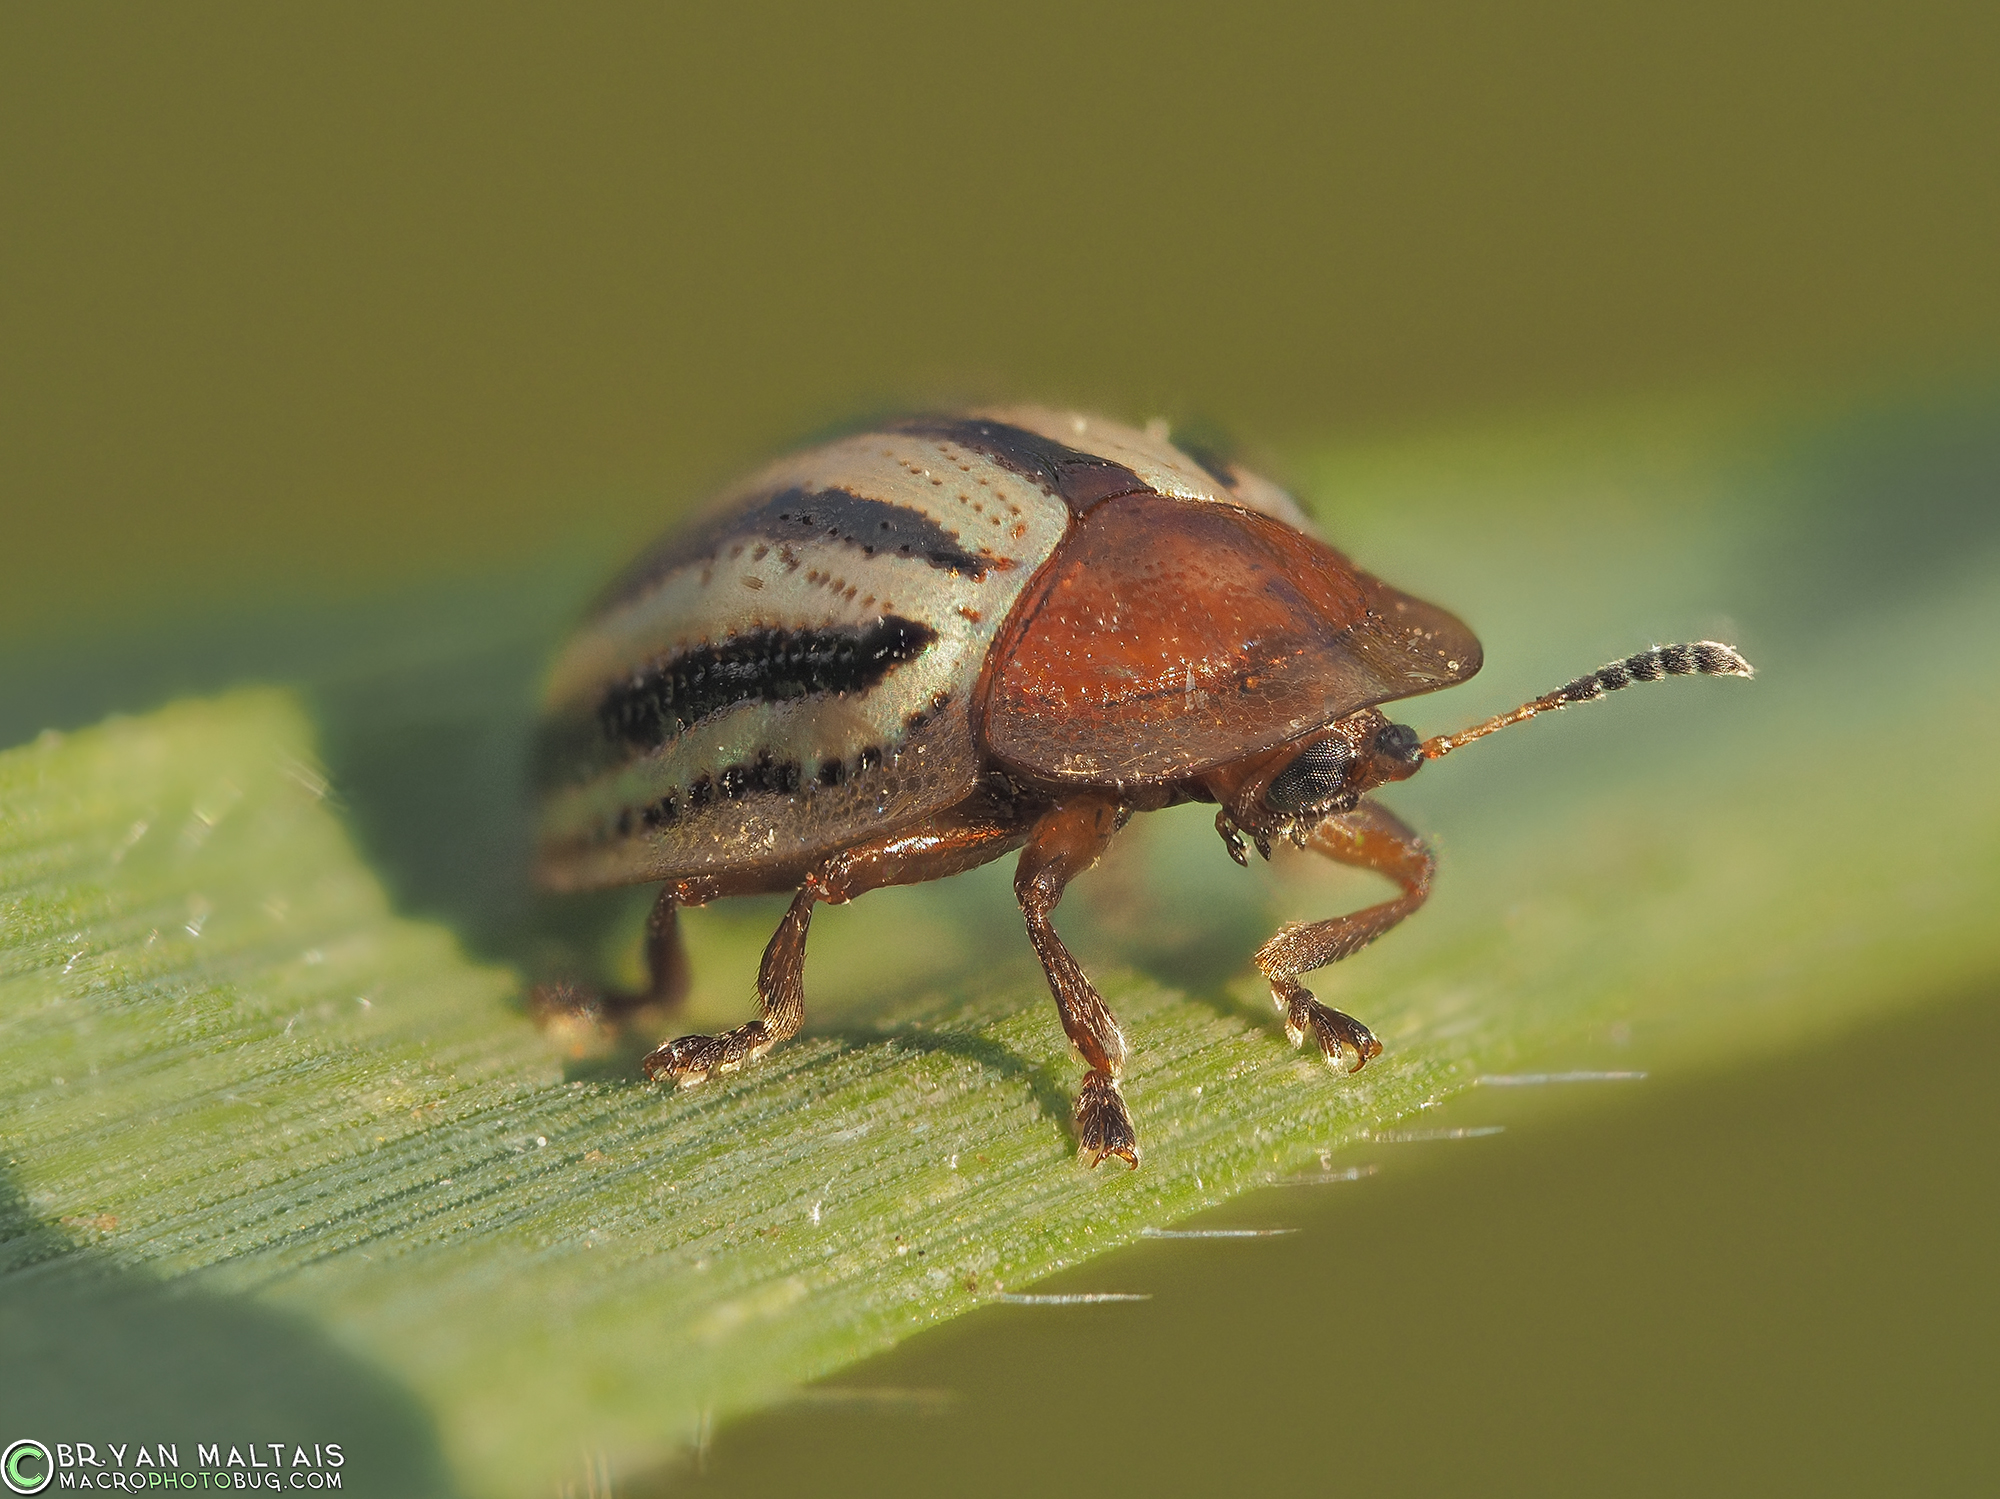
pixel 1103 1123
pixel 1231 839
pixel 1345 1042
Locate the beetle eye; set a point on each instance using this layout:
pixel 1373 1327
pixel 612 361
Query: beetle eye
pixel 1312 779
pixel 1397 742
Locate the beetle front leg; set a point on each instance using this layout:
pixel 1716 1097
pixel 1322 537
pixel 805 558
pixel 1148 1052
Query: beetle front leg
pixel 1369 837
pixel 1066 841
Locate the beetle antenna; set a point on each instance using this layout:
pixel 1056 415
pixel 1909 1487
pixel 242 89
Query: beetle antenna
pixel 1706 658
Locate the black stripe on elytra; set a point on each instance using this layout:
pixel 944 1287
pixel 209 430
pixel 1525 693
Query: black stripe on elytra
pixel 877 528
pixel 771 665
pixel 1079 479
pixel 766 775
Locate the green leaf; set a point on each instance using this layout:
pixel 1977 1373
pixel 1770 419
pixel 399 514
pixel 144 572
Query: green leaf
pixel 239 1091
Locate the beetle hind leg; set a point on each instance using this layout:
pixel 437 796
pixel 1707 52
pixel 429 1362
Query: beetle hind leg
pixel 963 838
pixel 781 993
pixel 589 1015
pixel 1369 837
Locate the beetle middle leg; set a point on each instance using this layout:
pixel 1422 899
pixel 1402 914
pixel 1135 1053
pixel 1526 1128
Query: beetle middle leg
pixel 1066 841
pixel 960 839
pixel 1369 837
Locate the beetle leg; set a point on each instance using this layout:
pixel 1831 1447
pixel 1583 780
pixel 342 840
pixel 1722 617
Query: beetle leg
pixel 958 840
pixel 568 1007
pixel 1369 837
pixel 781 993
pixel 1065 842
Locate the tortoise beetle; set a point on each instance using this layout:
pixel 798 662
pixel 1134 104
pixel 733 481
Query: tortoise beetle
pixel 915 649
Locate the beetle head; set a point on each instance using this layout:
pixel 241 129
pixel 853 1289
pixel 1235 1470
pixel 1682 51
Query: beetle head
pixel 1286 792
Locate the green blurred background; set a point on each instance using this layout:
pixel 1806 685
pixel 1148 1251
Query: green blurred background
pixel 306 297
pixel 339 322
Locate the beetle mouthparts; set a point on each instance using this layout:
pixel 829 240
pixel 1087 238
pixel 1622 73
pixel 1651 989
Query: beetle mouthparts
pixel 1705 658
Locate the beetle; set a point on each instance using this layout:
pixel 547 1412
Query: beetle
pixel 915 649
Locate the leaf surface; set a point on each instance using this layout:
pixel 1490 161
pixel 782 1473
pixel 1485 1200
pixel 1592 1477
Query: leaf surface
pixel 229 1067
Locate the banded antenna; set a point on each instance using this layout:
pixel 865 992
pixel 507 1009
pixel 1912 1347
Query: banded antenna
pixel 1705 658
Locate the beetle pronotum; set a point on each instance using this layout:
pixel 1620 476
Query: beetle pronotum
pixel 912 650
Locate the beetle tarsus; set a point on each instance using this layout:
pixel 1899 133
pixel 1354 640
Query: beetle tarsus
pixel 1103 1123
pixel 563 1005
pixel 691 1060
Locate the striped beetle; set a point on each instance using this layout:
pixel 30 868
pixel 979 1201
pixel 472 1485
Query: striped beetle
pixel 912 650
